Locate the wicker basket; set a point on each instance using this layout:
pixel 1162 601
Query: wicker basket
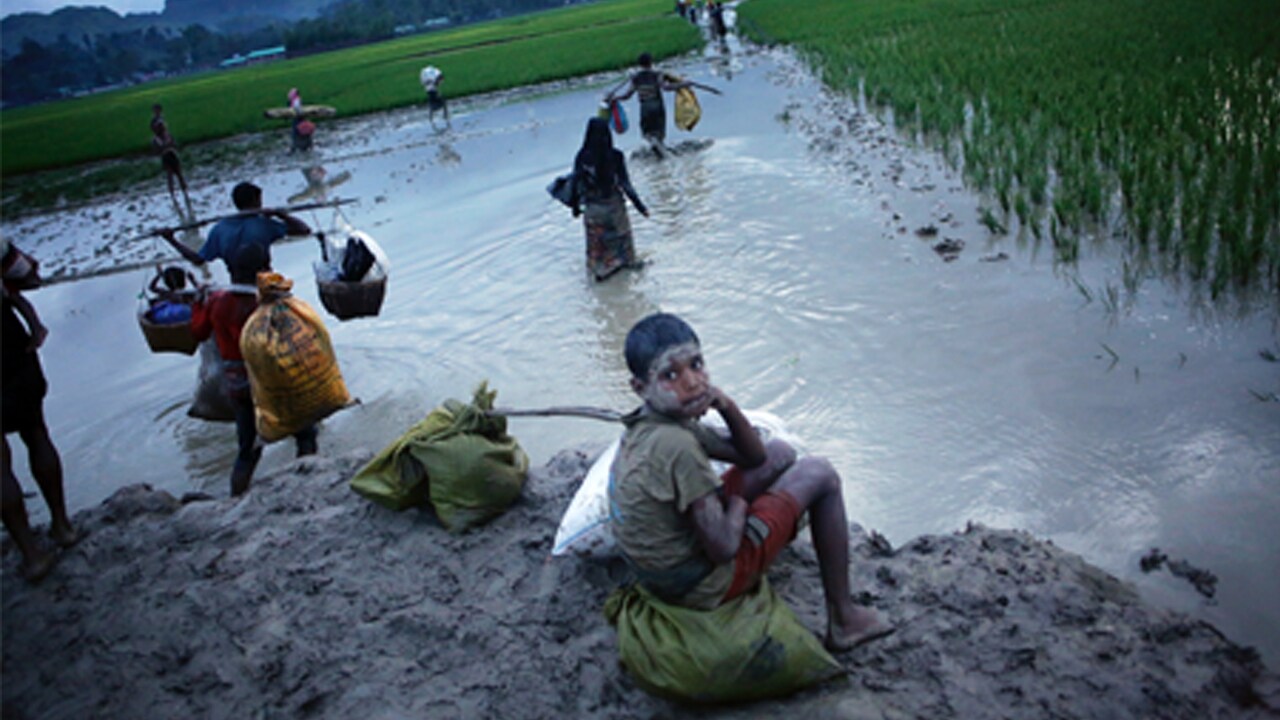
pixel 169 337
pixel 346 300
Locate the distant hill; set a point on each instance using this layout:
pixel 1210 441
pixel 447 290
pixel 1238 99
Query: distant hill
pixel 73 22
pixel 78 22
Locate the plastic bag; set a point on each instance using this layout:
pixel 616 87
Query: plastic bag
pixel 165 312
pixel 585 529
pixel 562 189
pixel 357 259
pixel 749 648
pixel 210 401
pixel 337 243
pixel 618 117
pixel 459 458
pixel 688 112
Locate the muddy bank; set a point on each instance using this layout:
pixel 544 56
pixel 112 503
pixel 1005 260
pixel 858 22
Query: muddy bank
pixel 303 600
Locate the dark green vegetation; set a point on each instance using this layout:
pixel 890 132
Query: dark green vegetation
pixel 76 49
pixel 476 59
pixel 1161 120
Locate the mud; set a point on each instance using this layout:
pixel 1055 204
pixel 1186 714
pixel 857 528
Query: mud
pixel 303 600
pixel 943 391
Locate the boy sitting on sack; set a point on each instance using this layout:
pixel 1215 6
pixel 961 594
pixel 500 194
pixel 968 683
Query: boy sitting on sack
pixel 694 539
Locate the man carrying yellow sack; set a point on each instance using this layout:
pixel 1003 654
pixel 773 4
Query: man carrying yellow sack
pixel 227 315
pixel 293 371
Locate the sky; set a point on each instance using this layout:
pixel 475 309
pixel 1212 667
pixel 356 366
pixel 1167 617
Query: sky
pixel 122 7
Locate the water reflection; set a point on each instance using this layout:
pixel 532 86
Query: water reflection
pixel 616 305
pixel 943 392
pixel 318 184
pixel 447 155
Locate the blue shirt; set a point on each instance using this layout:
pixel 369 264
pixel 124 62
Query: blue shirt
pixel 229 235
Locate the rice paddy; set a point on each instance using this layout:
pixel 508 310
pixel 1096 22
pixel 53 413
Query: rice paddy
pixel 477 58
pixel 1156 123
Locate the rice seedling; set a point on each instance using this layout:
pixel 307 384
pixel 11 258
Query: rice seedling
pixel 1156 119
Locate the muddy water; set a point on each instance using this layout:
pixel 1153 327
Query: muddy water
pixel 982 389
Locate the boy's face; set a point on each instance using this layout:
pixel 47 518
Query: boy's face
pixel 677 383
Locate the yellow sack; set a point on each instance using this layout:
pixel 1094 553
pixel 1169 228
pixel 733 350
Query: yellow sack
pixel 293 372
pixel 688 112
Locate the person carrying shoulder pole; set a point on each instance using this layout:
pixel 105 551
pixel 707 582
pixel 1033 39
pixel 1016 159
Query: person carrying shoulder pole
pixel 649 84
pixel 254 225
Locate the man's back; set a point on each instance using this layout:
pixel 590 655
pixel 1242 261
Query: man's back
pixel 229 235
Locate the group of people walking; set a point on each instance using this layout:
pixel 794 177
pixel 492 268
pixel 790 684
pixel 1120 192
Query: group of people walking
pixel 600 191
pixel 601 184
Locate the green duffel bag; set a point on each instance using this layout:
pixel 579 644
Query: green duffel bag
pixel 459 458
pixel 750 648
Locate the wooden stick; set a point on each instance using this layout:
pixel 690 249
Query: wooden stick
pixel 593 413
pixel 246 213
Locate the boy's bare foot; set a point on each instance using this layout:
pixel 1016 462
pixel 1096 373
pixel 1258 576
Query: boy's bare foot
pixel 65 536
pixel 866 625
pixel 35 569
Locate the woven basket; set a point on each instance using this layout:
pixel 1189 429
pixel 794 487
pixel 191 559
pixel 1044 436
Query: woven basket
pixel 169 337
pixel 346 300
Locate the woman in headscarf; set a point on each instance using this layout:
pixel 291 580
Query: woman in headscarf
pixel 600 181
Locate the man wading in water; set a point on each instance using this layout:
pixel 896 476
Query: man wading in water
pixel 167 148
pixel 650 84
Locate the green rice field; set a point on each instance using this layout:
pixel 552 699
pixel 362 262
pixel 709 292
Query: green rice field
pixel 1158 122
pixel 476 59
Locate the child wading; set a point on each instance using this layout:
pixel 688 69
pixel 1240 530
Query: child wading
pixel 695 539
pixel 650 84
pixel 600 181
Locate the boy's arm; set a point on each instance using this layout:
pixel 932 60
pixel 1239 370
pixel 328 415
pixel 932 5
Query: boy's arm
pixel 624 181
pixel 631 90
pixel 293 225
pixel 746 449
pixel 672 83
pixel 718 525
pixel 186 252
pixel 700 86
pixel 28 312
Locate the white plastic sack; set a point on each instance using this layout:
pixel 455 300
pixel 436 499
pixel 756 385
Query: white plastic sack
pixel 336 247
pixel 210 400
pixel 585 530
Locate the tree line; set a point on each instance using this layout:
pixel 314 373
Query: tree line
pixel 74 65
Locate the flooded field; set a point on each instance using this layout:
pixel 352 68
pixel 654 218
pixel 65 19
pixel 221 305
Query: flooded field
pixel 800 244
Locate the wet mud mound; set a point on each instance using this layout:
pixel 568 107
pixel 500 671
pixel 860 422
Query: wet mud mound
pixel 303 600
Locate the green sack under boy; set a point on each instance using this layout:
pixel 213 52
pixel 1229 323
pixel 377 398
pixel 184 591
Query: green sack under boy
pixel 458 457
pixel 750 648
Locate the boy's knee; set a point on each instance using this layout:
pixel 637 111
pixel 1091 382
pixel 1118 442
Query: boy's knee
pixel 820 471
pixel 780 455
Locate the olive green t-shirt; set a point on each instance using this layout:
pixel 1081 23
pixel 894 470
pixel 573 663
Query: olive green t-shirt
pixel 661 468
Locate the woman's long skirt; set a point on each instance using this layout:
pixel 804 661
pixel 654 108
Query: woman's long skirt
pixel 609 244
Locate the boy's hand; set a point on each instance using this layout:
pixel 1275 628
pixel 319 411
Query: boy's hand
pixel 713 399
pixel 38 335
pixel 719 400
